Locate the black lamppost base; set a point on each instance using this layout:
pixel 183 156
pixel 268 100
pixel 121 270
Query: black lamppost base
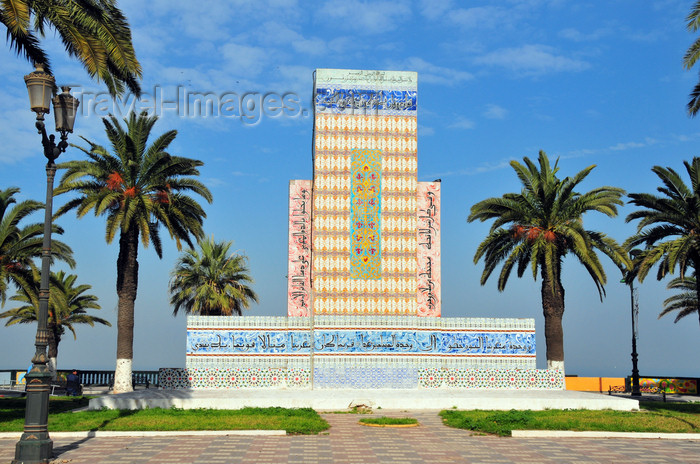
pixel 33 451
pixel 35 446
pixel 636 392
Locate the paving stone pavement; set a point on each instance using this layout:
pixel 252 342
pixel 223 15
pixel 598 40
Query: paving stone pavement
pixel 347 442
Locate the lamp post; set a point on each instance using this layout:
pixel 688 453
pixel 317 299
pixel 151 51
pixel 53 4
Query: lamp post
pixel 635 313
pixel 35 445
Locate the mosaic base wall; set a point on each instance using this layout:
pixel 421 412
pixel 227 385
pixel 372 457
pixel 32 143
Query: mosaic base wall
pixel 396 352
pixel 361 378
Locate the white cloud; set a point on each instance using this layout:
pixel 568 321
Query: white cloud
pixel 471 171
pixel 685 137
pixel 424 131
pixel 620 146
pixel 274 32
pixel 280 34
pixel 214 182
pixel 462 123
pixel 495 112
pixel 204 20
pixel 502 17
pixel 244 59
pixel 313 46
pixel 293 78
pixel 485 17
pixel 151 42
pixel 626 146
pixel 342 44
pixel 430 73
pixel 532 60
pixel 186 76
pixel 14 67
pixel 478 17
pixel 578 36
pixel 365 17
pixel 20 143
pixel 434 10
pixel 253 176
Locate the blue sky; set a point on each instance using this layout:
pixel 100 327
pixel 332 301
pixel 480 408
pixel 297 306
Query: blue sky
pixel 589 82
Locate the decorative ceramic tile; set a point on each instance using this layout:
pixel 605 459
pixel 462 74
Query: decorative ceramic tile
pixel 374 375
pixel 365 217
pixel 241 342
pixel 173 379
pixel 360 113
pixel 299 265
pixel 364 101
pixel 366 377
pixel 233 378
pixel 244 342
pixel 508 379
pixel 428 236
pixel 339 91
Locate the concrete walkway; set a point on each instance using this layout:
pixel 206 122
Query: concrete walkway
pixel 386 399
pixel 349 443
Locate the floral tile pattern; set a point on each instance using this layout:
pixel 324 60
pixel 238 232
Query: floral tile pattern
pixel 498 379
pixel 404 377
pixel 233 378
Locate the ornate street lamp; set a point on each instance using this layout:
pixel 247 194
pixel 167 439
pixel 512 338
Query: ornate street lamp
pixel 635 316
pixel 35 445
pixel 634 305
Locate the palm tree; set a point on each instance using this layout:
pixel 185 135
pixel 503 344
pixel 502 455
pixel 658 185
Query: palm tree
pixel 537 228
pixel 685 302
pixel 692 55
pixel 67 306
pixel 138 189
pixel 20 245
pixel 93 31
pixel 669 225
pixel 211 281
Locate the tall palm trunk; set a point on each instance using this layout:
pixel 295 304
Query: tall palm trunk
pixel 127 283
pixel 553 309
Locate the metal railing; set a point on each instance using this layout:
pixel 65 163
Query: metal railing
pixel 107 377
pixel 96 377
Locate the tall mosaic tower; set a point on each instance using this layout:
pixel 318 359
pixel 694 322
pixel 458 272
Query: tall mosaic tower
pixel 364 234
pixel 364 300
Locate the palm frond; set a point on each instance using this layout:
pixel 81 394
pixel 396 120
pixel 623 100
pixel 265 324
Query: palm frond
pixel 538 226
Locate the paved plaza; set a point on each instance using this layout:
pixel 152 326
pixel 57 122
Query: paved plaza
pixel 348 442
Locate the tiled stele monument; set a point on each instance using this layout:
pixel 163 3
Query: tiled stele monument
pixel 364 300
